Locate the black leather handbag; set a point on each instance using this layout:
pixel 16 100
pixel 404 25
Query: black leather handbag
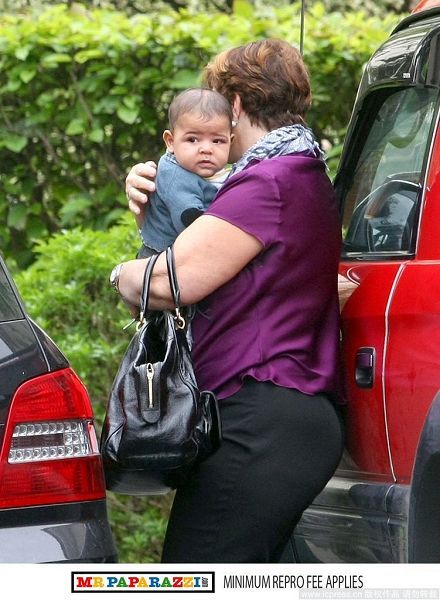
pixel 158 424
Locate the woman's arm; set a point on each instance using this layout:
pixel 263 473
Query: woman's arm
pixel 208 253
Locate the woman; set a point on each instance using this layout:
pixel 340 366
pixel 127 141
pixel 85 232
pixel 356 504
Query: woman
pixel 261 264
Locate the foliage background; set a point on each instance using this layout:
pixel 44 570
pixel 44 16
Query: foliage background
pixel 84 90
pixel 84 93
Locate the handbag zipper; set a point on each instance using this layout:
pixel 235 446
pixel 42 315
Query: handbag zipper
pixel 150 375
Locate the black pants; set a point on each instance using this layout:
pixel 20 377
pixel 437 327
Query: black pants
pixel 279 449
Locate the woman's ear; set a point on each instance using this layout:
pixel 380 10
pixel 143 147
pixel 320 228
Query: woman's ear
pixel 236 108
pixel 168 139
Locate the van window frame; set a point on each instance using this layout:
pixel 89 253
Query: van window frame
pixel 356 140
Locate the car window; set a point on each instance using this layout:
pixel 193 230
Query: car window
pixel 385 182
pixel 9 306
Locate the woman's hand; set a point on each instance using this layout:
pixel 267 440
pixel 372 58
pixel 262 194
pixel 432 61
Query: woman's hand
pixel 139 183
pixel 345 289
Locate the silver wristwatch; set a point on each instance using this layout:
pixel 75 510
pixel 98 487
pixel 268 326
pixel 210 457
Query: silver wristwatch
pixel 114 276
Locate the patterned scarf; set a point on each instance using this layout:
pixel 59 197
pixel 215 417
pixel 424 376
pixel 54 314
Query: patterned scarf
pixel 290 139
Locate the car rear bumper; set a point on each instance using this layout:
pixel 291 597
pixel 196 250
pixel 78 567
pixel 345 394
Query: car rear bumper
pixel 77 532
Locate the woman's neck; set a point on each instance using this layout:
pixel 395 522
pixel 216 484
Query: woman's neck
pixel 246 135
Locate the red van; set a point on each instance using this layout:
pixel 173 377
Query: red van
pixel 383 505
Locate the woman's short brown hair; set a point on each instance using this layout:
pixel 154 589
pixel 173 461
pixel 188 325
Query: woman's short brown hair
pixel 269 76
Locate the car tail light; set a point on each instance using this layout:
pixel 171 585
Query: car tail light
pixel 50 452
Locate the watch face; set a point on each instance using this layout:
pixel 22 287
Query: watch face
pixel 114 276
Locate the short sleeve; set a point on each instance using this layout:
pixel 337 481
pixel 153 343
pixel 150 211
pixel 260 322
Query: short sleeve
pixel 250 200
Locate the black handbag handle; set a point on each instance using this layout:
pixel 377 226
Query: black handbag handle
pixel 172 277
pixel 174 287
pixel 145 294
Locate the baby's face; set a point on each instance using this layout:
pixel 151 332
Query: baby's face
pixel 200 145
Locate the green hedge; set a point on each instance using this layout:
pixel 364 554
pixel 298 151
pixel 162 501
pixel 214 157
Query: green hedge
pixel 83 95
pixel 67 291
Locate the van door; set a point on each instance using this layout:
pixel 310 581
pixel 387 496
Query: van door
pixel 380 185
pixel 413 356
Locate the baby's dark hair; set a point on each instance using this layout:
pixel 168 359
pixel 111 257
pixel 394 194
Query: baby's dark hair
pixel 207 103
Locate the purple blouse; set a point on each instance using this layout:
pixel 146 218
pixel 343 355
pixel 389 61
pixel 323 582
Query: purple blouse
pixel 278 319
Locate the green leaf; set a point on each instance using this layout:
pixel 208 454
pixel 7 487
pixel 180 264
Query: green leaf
pixel 84 55
pixel 27 74
pixel 106 105
pixel 56 58
pixel 17 216
pixel 185 78
pixel 35 228
pixel 13 85
pixel 113 216
pixel 243 8
pixel 130 101
pixel 73 208
pixel 22 53
pixel 14 142
pixel 75 127
pixel 96 135
pixel 127 115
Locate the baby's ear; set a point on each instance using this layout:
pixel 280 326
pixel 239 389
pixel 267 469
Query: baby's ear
pixel 168 139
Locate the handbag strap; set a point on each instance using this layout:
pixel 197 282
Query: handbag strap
pixel 174 287
pixel 145 294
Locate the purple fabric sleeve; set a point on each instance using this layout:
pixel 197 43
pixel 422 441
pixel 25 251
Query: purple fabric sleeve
pixel 251 201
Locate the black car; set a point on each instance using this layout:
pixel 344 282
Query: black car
pixel 52 490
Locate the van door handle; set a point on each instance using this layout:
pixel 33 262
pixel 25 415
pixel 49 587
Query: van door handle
pixel 364 367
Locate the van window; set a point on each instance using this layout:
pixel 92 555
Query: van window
pixel 385 182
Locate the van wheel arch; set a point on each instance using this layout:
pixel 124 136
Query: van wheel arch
pixel 424 502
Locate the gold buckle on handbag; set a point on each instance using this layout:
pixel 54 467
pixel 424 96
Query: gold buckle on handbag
pixel 180 321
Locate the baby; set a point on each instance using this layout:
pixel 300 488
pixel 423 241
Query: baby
pixel 193 168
